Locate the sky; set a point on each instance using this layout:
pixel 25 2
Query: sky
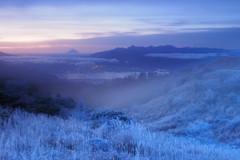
pixel 50 26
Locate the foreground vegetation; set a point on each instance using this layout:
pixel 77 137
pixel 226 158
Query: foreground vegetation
pixel 29 136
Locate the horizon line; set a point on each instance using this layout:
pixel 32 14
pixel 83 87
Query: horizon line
pixel 85 53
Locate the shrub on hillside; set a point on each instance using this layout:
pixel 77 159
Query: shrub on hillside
pixel 27 96
pixel 4 115
pixel 109 118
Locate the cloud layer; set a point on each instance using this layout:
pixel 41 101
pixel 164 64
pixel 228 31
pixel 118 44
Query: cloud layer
pixel 77 61
pixel 185 55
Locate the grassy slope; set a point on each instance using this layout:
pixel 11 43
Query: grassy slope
pixel 27 136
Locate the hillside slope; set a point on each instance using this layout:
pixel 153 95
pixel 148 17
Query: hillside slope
pixel 202 103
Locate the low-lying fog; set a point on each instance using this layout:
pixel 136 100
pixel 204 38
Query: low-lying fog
pixel 99 83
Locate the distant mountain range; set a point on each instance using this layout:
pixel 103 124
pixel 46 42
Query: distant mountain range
pixel 140 51
pixel 167 57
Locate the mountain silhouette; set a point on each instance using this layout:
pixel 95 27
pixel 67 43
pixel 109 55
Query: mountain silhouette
pixel 4 54
pixel 135 56
pixel 134 51
pixel 73 51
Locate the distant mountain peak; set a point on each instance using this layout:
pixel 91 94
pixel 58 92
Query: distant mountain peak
pixel 73 51
pixel 132 46
pixel 169 46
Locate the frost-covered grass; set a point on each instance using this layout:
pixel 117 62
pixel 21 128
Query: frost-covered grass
pixel 203 103
pixel 28 136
